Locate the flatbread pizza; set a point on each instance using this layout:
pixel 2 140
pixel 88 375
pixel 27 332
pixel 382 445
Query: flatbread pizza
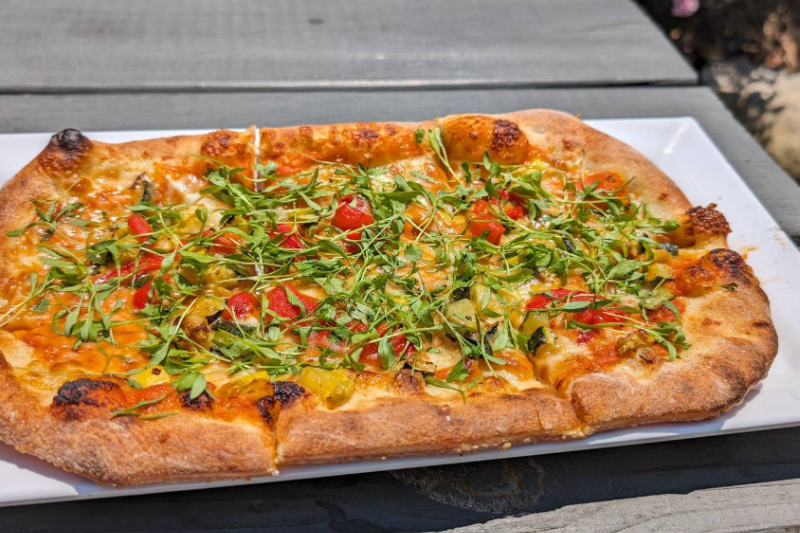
pixel 219 306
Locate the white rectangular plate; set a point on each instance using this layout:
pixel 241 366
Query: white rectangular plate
pixel 682 150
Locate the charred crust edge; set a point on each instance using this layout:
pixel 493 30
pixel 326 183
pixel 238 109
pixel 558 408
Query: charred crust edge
pixel 287 391
pixel 79 391
pixel 201 403
pixel 69 140
pixel 505 134
pixel 731 263
pixel 264 406
pixel 708 220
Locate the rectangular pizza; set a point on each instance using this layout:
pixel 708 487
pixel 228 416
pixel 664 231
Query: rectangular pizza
pixel 219 306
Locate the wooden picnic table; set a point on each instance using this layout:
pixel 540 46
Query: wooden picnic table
pixel 99 65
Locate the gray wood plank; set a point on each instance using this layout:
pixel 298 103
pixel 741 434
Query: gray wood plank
pixel 88 45
pixel 761 507
pixel 745 482
pixel 150 111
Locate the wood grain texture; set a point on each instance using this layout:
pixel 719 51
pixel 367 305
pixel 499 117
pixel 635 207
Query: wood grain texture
pixel 48 113
pixel 95 45
pixel 742 482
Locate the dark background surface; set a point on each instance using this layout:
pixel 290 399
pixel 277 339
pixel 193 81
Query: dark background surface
pixel 138 65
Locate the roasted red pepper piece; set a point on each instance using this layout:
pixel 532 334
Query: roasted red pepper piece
pixel 514 204
pixel 369 354
pixel 290 240
pixel 147 264
pixel 279 302
pixel 483 223
pixel 352 248
pixel 242 304
pixel 139 226
pixel 599 316
pixel 142 296
pixel 542 301
pixel 223 245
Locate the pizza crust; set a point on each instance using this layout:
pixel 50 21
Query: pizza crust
pixel 127 451
pixel 414 423
pixel 567 139
pixel 711 377
pixel 123 450
pixel 733 345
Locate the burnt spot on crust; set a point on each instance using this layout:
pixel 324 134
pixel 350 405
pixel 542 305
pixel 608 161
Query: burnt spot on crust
pixel 265 405
pixel 762 324
pixel 283 393
pixel 368 134
pixel 201 403
pixel 83 397
pixel 505 134
pixel 467 137
pixel 286 391
pixel 707 220
pixel 224 145
pixel 364 139
pixel 69 140
pixel 509 144
pixel 65 151
pixel 730 263
pixel 719 267
pixel 81 392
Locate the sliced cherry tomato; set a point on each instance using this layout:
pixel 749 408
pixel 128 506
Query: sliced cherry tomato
pixel 664 314
pixel 279 302
pixel 353 212
pixel 492 230
pixel 290 240
pixel 139 226
pixel 223 246
pixel 242 304
pixel 560 293
pixel 577 296
pixel 505 194
pixel 402 346
pixel 481 207
pixel 399 343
